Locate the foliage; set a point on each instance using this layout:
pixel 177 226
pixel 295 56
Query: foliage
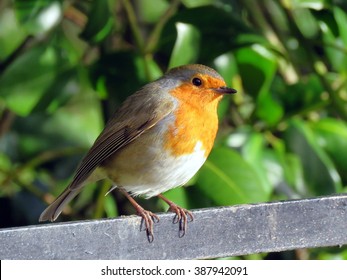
pixel 66 65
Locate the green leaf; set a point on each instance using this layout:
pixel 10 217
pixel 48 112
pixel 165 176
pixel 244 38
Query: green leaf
pixel 321 176
pixel 112 71
pixel 292 171
pixel 110 206
pixel 254 152
pixel 274 167
pixel 26 80
pixel 9 26
pixel 306 23
pixel 147 69
pixel 312 4
pixel 38 16
pixel 120 74
pixel 226 66
pixel 152 10
pixel 341 20
pixel 219 31
pixel 332 254
pixel 257 67
pixel 334 42
pixel 100 22
pixel 331 135
pixel 59 92
pixel 186 49
pixel 79 122
pixel 310 97
pixel 197 3
pixel 228 179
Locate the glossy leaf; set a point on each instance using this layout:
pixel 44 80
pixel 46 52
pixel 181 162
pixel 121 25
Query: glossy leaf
pixel 152 10
pixel 254 152
pixel 218 38
pixel 306 22
pixel 186 49
pixel 341 20
pixel 334 44
pixel 100 22
pixel 111 73
pixel 301 96
pixel 63 88
pixel 291 173
pixel 226 66
pixel 197 3
pixel 321 176
pixel 313 4
pixel 331 135
pixel 257 67
pixel 38 17
pixel 228 179
pixel 110 207
pixel 9 26
pixel 25 81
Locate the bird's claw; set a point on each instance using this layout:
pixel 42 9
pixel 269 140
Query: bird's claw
pixel 181 217
pixel 148 218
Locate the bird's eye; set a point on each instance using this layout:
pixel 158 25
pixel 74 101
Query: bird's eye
pixel 196 82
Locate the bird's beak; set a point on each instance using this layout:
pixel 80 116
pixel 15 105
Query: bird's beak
pixel 225 90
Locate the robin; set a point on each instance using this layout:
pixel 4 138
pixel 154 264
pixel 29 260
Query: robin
pixel 156 141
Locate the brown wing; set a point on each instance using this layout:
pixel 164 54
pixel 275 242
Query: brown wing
pixel 134 118
pixel 109 141
pixel 128 124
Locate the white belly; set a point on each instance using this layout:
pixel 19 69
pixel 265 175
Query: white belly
pixel 148 172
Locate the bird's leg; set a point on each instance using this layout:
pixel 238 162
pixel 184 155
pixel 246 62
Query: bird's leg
pixel 147 216
pixel 181 215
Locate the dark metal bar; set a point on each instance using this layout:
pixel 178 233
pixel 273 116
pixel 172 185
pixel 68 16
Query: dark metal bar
pixel 215 232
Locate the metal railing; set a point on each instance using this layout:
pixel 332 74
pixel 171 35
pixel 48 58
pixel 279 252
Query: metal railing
pixel 215 232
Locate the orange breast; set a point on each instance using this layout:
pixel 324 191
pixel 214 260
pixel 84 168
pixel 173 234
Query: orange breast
pixel 195 120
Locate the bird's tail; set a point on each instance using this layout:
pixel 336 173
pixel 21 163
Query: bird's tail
pixel 52 212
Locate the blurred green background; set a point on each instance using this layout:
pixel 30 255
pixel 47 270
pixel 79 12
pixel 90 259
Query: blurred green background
pixel 65 66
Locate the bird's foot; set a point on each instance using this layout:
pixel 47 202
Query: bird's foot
pixel 148 218
pixel 182 217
